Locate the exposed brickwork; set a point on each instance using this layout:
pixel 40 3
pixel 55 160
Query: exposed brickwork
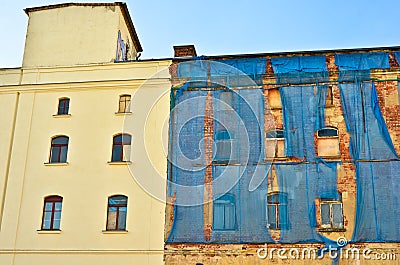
pixel 208 147
pixel 184 51
pixel 392 60
pixel 388 96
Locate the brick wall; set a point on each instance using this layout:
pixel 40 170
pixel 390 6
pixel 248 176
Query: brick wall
pixel 388 95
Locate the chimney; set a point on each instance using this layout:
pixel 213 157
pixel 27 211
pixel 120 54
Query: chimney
pixel 185 51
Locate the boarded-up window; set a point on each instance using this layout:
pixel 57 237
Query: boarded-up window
pixel 275 144
pixel 328 142
pixel 274 98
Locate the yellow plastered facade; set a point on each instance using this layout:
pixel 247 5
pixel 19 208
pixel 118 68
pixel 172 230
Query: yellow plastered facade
pixel 29 99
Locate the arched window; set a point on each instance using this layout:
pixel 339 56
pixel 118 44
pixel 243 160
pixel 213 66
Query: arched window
pixel 63 106
pixel 224 213
pixel 274 144
pixel 328 142
pixel 124 104
pixel 59 149
pixel 116 212
pixel 52 213
pixel 121 150
pixel 277 211
pixel 225 146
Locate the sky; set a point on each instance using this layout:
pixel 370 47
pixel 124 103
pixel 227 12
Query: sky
pixel 219 27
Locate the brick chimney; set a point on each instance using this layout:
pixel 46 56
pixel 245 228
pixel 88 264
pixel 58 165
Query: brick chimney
pixel 185 51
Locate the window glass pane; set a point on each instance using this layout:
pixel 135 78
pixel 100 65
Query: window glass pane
pixel 283 216
pixel 58 206
pixel 122 219
pixel 327 132
pixel 112 220
pixel 325 214
pixel 275 134
pixel 63 155
pixel 48 206
pixel 46 224
pixel 118 200
pixel 118 138
pixel 229 216
pixel 116 155
pixel 126 153
pixel 55 155
pixel 337 215
pixel 223 150
pixel 60 140
pixel 218 222
pixel 121 106
pixel 126 139
pixel 271 211
pixel 112 209
pixel 128 105
pixel 56 224
pixel 223 135
pixel 56 221
pixel 46 220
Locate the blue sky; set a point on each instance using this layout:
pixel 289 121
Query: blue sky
pixel 233 27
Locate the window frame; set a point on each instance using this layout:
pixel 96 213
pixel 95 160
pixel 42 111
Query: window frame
pixel 278 140
pixel 126 103
pixel 229 202
pixel 325 138
pixel 331 225
pixel 228 138
pixel 65 107
pixel 59 147
pixel 117 215
pixel 278 209
pixel 121 144
pixel 53 199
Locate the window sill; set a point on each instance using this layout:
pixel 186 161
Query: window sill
pixel 269 159
pixel 331 229
pixel 62 115
pixel 115 231
pixel 49 231
pixel 331 158
pixel 123 113
pixel 119 163
pixel 56 164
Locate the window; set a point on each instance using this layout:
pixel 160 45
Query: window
pixel 328 142
pixel 331 214
pixel 274 144
pixel 124 104
pixel 63 106
pixel 277 211
pixel 52 213
pixel 329 96
pixel 59 149
pixel 225 146
pixel 224 213
pixel 274 98
pixel 116 213
pixel 121 148
pixel 225 101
